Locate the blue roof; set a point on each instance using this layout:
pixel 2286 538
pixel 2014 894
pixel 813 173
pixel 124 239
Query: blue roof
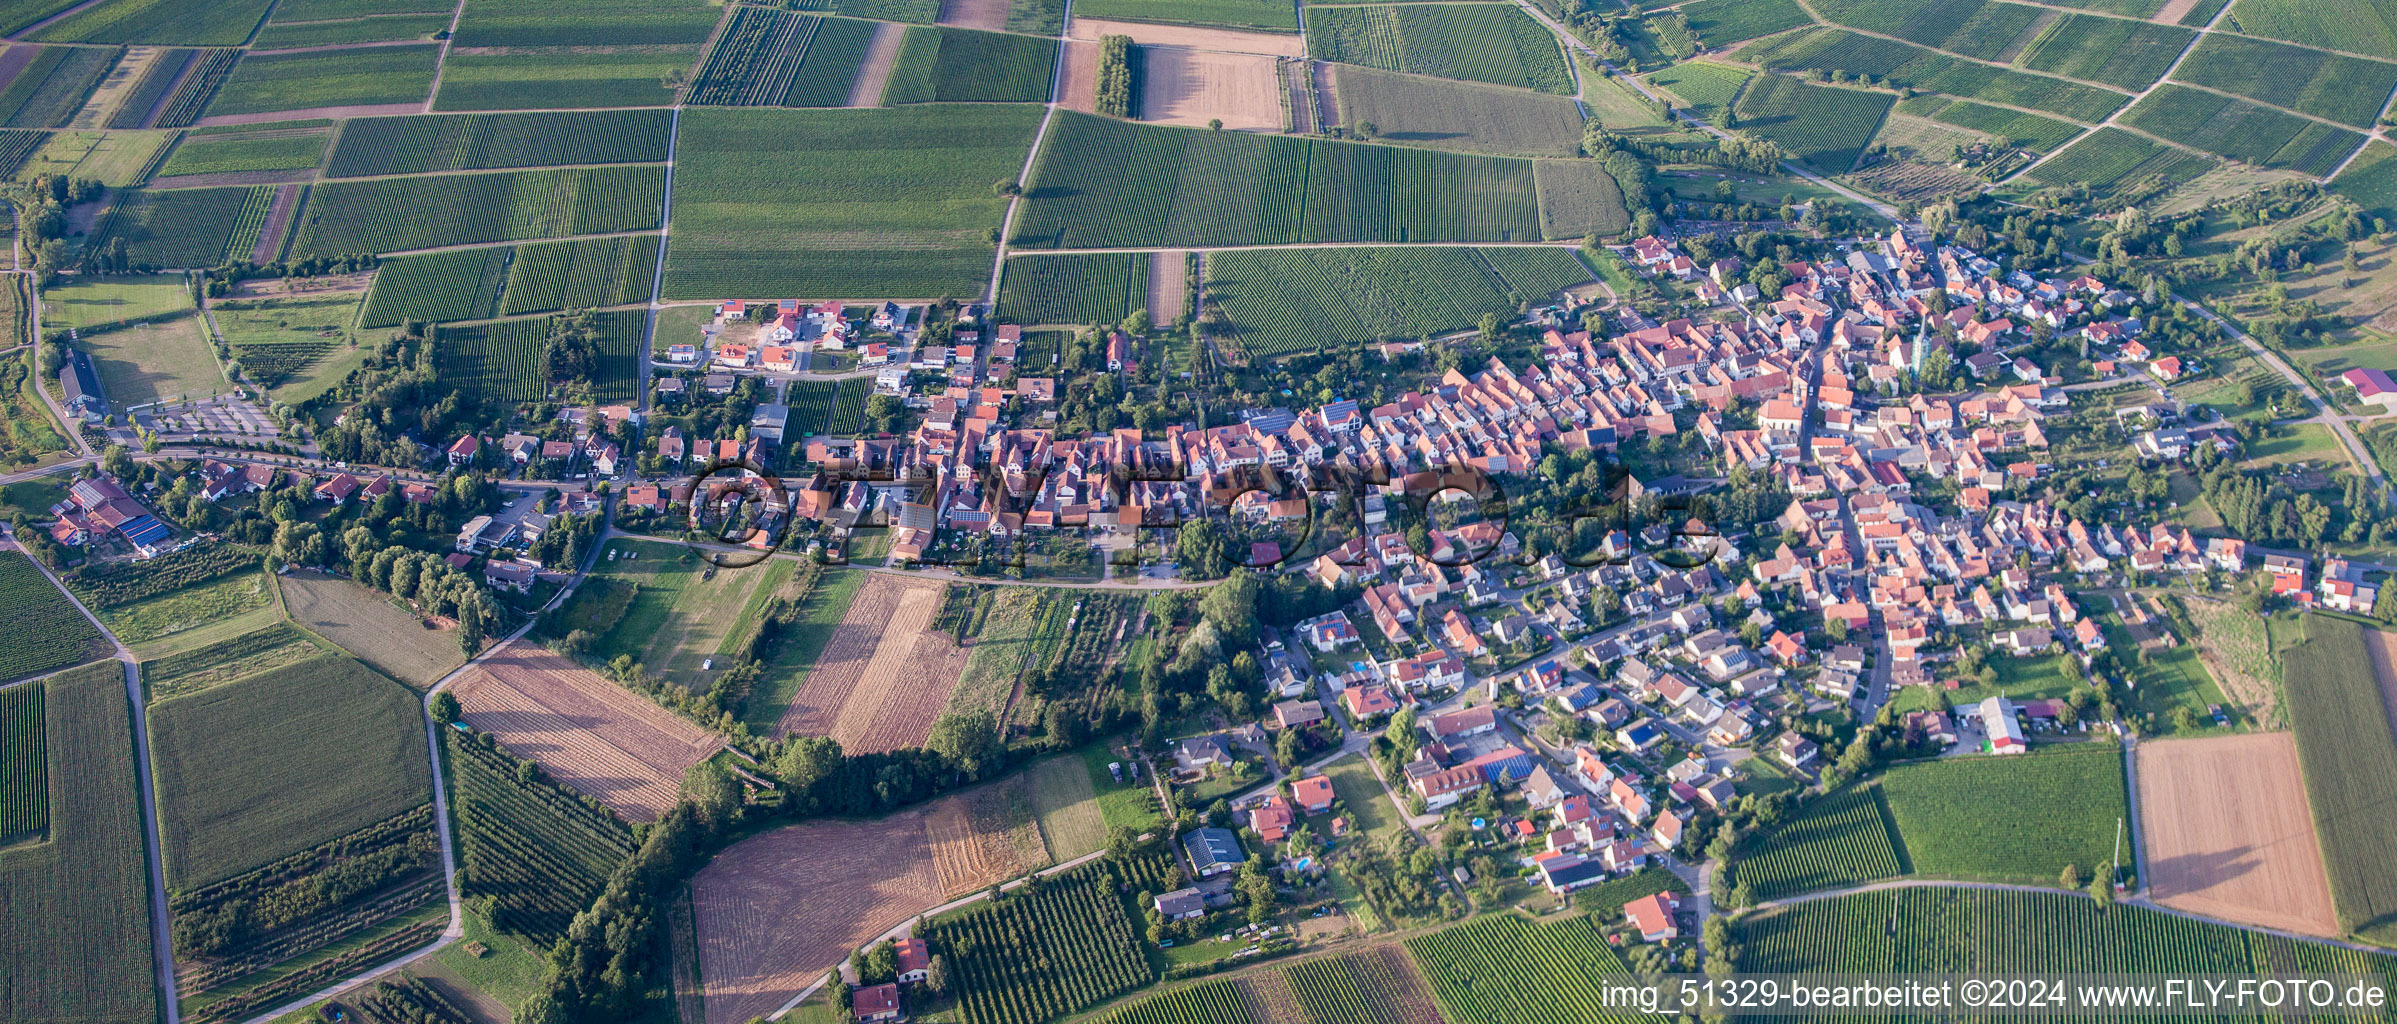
pixel 1516 767
pixel 1210 846
pixel 1642 732
pixel 145 530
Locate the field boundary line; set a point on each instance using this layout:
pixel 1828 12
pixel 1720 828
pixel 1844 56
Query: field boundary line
pixel 1769 907
pixel 441 63
pixel 998 267
pixel 2110 120
pixel 657 274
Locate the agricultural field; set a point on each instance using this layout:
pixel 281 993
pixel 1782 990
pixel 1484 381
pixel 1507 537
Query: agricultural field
pixel 455 284
pixel 2029 131
pixel 1448 114
pixel 74 923
pixel 257 770
pixel 51 87
pixel 958 65
pixel 142 96
pixel 1707 89
pixel 1494 43
pixel 1044 955
pixel 2346 89
pixel 1107 183
pixel 295 345
pixel 1245 14
pixel 1720 23
pixel 775 910
pixel 166 22
pixel 1970 27
pixel 1902 64
pixel 1836 840
pixel 1217 1001
pixel 2345 745
pixel 1287 300
pixel 89 301
pixel 1942 929
pixel 884 675
pixel 540 79
pixel 1074 288
pixel 581 274
pixel 291 146
pixel 539 850
pixel 393 214
pixel 811 406
pixel 2357 26
pixel 1375 985
pixel 500 362
pixel 186 227
pixel 2009 819
pixel 189 608
pixel 1072 819
pixel 17 147
pixel 208 73
pixel 198 668
pixel 1825 127
pixel 373 627
pixel 1008 636
pixel 25 765
pixel 683 609
pixel 155 361
pixel 19 15
pixel 767 58
pixel 478 142
pixel 1579 199
pixel 921 227
pixel 822 604
pixel 2227 832
pixel 328 78
pixel 114 158
pixel 849 406
pixel 2242 130
pixel 2110 158
pixel 2126 54
pixel 279 35
pixel 584 22
pixel 607 742
pixel 2371 180
pixel 1504 967
pixel 2236 652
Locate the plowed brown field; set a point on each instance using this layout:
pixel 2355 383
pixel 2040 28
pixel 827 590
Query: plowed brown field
pixel 884 676
pixel 586 731
pixel 1193 87
pixel 2228 832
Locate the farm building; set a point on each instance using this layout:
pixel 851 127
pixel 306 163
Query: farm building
pixel 915 959
pixel 81 380
pixel 2005 734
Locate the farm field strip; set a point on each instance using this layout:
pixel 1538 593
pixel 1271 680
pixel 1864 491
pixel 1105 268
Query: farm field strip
pixel 590 733
pixel 2227 832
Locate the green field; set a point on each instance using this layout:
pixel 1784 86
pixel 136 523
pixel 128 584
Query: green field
pixel 198 668
pixel 18 15
pixel 772 201
pixel 1835 841
pixel 1448 114
pixel 1947 930
pixel 1106 183
pixel 1579 199
pixel 539 850
pixel 297 345
pixel 2111 157
pixel 2345 745
pixel 458 284
pixel 167 22
pixel 113 158
pixel 2342 88
pixel 1074 288
pixel 1825 127
pixel 2358 26
pixel 1264 14
pixel 262 148
pixel 53 85
pixel 257 770
pixel 1360 793
pixel 2372 179
pixel 189 608
pixel 2010 819
pixel 74 923
pixel 389 214
pixel 1719 23
pixel 281 35
pixel 1706 88
pixel 1503 968
pixel 328 78
pixel 475 142
pixel 957 65
pixel 155 362
pixel 89 301
pixel 2242 130
pixel 820 612
pixel 1494 43
pixel 584 22
pixel 521 79
pixel 2126 54
pixel 25 764
pixel 682 608
pixel 767 57
pixel 1286 300
pixel 1899 63
pixel 2030 131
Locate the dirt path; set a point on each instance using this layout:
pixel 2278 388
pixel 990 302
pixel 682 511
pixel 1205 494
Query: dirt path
pixel 278 217
pixel 2227 834
pixel 369 110
pixel 875 73
pixel 991 15
pixel 1168 276
pixel 2173 10
pixel 233 178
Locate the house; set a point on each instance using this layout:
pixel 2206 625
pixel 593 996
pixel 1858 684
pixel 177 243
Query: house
pixel 1181 904
pixel 1542 790
pixel 2005 734
pixel 1469 722
pixel 1313 794
pixel 1202 751
pixel 1652 915
pixel 1271 819
pixel 1794 750
pixel 1564 872
pixel 1639 736
pixel 2372 387
pixel 1446 786
pixel 915 959
pixel 875 1002
pixel 1292 714
pixel 338 489
pixel 81 382
pixel 462 450
pixel 509 576
pixel 1213 851
pixel 1368 700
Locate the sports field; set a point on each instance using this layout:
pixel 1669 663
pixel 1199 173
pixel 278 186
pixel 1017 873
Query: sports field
pixel 155 362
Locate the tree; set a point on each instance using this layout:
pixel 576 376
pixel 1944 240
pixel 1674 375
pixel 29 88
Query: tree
pixel 1256 888
pixel 2070 879
pixel 443 707
pixel 2101 886
pixel 968 740
pixel 936 973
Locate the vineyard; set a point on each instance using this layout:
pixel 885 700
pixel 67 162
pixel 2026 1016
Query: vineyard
pixel 849 406
pixel 2342 88
pixel 2114 51
pixel 164 71
pixel 1208 1002
pixel 1719 23
pixel 960 65
pixel 184 227
pixel 2109 157
pixel 1492 43
pixel 2242 131
pixel 1903 64
pixel 310 79
pixel 811 407
pixel 460 284
pixel 1823 126
pixel 496 362
pixel 1044 952
pixel 282 147
pixel 1945 930
pixel 409 1000
pixel 2010 819
pixel 537 79
pixel 24 764
pixel 2347 751
pixel 1074 288
pixel 581 274
pixel 918 227
pixel 106 585
pixel 1579 199
pixel 16 147
pixel 224 23
pixel 756 60
pixel 50 632
pixel 1450 114
pixel 1504 969
pixel 74 924
pixel 248 223
pixel 1103 183
pixel 585 22
pixel 539 850
pixel 1371 987
pixel 391 214
pixel 473 142
pixel 1288 300
pixel 1838 840
pixel 2015 127
pixel 197 88
pixel 52 86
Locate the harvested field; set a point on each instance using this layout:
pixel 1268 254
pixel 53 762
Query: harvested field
pixel 2228 835
pixel 1193 87
pixel 586 731
pixel 1222 40
pixel 1078 88
pixel 374 627
pixel 874 75
pixel 988 15
pixel 774 911
pixel 1169 285
pixel 1069 809
pixel 884 676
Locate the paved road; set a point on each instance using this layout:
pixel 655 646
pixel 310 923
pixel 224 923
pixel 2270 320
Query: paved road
pixel 998 266
pixel 161 941
pixel 2327 413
